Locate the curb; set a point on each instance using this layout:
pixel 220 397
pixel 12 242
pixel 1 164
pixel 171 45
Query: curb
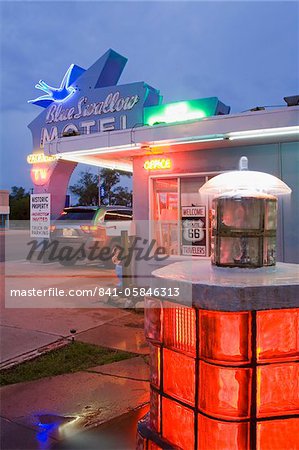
pixel 10 363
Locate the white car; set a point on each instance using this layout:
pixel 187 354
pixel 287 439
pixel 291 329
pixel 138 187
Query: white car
pixel 90 226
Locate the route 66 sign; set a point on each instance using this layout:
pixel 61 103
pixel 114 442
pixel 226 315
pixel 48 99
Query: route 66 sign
pixel 193 236
pixel 193 230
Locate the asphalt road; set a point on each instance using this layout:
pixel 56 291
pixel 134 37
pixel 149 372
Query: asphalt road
pixel 14 244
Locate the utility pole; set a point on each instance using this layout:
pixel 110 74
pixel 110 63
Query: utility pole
pixel 99 187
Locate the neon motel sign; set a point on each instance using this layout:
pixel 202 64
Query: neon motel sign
pixel 88 113
pixel 90 101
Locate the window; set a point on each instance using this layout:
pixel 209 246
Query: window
pixel 77 214
pixel 165 214
pixel 181 222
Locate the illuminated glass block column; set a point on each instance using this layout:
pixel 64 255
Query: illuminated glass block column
pixel 224 377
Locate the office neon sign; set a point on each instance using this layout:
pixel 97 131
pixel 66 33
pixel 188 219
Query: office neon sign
pixel 158 164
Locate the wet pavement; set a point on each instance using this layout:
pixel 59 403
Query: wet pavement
pixel 17 341
pixel 19 437
pixel 112 334
pixel 24 328
pixel 57 408
pixel 92 396
pixel 117 434
pixel 95 408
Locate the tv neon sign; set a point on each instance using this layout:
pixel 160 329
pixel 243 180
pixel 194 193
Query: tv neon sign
pixel 40 176
pixel 158 164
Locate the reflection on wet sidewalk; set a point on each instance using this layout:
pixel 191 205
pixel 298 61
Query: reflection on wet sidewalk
pixel 117 434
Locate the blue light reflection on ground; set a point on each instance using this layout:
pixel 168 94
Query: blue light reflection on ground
pixel 42 436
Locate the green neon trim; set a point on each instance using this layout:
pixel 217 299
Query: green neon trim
pixel 181 111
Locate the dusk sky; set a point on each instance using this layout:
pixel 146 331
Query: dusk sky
pixel 246 53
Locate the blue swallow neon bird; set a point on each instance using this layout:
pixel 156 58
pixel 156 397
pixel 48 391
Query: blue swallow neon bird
pixel 61 94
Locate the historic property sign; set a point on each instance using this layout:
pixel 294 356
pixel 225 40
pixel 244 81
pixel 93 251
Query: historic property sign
pixel 40 209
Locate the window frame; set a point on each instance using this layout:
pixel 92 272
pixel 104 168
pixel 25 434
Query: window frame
pixel 178 176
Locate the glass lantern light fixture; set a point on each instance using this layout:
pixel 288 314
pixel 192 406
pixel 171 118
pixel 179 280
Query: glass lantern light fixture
pixel 244 217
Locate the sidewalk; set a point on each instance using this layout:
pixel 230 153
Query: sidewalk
pixel 38 414
pixel 57 411
pixel 117 434
pixel 24 328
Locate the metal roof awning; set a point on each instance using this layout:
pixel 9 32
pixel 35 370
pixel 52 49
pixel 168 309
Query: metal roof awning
pixel 116 149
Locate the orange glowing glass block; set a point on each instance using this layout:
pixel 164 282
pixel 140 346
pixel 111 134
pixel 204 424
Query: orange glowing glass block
pixel 152 319
pixel 281 434
pixel 179 328
pixel 277 389
pixel 278 335
pixel 155 411
pixel 217 435
pixel 225 336
pixel 178 424
pixel 154 365
pixel 223 391
pixel 152 446
pixel 179 376
pixel 140 442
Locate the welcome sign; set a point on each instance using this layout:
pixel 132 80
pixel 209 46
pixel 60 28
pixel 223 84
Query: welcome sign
pixel 90 101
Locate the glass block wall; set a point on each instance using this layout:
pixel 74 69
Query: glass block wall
pixel 221 380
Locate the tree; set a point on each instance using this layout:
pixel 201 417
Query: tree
pixel 121 196
pixel 109 178
pixel 19 201
pixel 18 192
pixel 86 189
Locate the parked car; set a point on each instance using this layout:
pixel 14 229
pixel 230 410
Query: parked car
pixel 90 226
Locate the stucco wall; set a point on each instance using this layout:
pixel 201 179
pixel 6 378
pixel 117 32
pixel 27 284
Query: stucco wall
pixel 4 202
pixel 4 198
pixel 281 160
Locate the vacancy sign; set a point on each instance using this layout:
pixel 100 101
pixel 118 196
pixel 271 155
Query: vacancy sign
pixel 40 215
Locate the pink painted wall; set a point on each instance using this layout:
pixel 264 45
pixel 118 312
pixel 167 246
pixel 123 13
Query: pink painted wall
pixel 57 185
